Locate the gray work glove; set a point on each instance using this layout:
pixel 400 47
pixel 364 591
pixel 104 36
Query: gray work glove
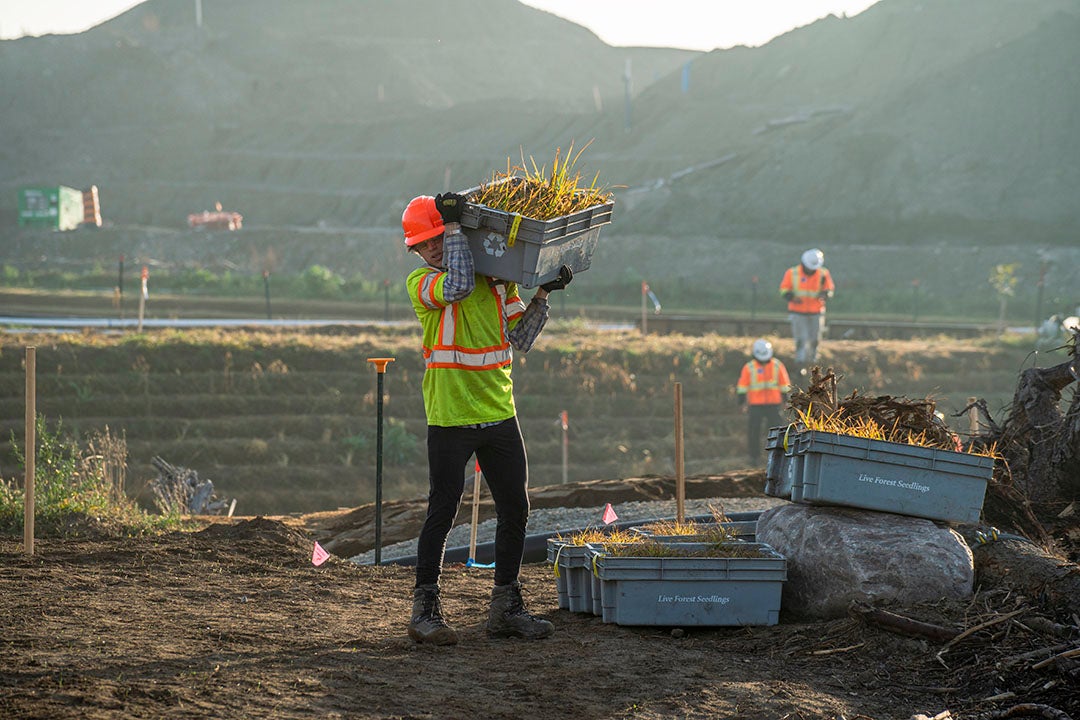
pixel 789 296
pixel 564 278
pixel 450 206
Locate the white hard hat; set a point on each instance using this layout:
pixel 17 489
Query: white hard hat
pixel 762 350
pixel 813 259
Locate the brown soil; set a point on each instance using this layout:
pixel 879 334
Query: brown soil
pixel 234 621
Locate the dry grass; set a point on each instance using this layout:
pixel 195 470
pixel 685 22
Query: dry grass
pixel 885 418
pixel 651 548
pixel 711 532
pixel 599 535
pixel 533 191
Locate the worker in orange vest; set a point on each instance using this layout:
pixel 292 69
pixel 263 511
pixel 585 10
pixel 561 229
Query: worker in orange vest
pixel 761 387
pixel 806 287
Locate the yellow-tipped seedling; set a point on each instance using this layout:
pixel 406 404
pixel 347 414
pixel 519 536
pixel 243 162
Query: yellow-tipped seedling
pixel 840 423
pixel 598 535
pixel 531 191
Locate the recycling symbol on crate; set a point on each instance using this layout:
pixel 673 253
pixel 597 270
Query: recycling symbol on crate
pixel 495 244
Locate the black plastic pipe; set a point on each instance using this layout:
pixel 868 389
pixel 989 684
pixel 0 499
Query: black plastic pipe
pixel 536 545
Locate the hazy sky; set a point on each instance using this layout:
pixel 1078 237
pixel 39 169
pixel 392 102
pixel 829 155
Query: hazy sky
pixel 693 24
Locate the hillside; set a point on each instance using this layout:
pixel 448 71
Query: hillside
pixel 910 121
pixel 286 422
pixel 296 116
pixel 928 122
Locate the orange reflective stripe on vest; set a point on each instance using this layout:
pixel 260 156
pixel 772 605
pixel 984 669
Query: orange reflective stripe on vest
pixel 450 353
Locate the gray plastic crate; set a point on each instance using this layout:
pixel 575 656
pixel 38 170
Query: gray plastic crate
pixel 779 449
pixel 892 477
pixel 573 564
pixel 793 473
pixel 553 547
pixel 528 251
pixel 686 591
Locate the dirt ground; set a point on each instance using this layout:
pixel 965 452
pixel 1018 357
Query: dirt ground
pixel 234 621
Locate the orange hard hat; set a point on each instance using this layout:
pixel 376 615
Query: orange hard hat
pixel 421 220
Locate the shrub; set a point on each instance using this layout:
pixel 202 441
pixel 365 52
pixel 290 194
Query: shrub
pixel 400 447
pixel 318 281
pixel 76 490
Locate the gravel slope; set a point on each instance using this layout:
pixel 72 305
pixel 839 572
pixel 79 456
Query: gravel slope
pixel 543 520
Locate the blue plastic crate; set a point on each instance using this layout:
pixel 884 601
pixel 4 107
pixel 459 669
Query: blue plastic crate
pixel 691 591
pixel 780 475
pixel 573 564
pixel 892 477
pixel 554 545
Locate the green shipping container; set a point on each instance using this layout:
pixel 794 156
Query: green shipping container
pixel 59 208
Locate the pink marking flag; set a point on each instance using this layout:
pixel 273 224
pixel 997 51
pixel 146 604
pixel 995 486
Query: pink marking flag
pixel 318 555
pixel 609 514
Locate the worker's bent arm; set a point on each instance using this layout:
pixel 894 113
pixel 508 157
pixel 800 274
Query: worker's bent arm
pixel 460 270
pixel 528 328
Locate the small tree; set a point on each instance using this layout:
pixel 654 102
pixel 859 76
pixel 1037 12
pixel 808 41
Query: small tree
pixel 1003 279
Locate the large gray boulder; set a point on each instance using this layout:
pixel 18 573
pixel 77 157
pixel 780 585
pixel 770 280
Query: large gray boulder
pixel 837 555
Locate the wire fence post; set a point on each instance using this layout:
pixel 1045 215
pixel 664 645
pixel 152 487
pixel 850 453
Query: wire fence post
pixel 266 283
pixel 644 315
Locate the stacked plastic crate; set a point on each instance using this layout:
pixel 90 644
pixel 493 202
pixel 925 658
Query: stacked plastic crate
pixel 822 468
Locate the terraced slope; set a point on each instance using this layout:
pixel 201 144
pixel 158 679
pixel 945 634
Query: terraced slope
pixel 285 422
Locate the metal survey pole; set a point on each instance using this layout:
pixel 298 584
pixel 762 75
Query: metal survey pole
pixel 475 512
pixel 564 420
pixel 30 451
pixel 120 286
pixel 380 368
pixel 680 475
pixel 144 295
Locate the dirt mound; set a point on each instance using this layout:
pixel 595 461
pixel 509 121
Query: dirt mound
pixel 258 530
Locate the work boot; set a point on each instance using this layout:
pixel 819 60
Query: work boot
pixel 507 616
pixel 427 624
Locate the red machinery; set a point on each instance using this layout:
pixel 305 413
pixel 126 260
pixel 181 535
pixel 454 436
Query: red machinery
pixel 216 220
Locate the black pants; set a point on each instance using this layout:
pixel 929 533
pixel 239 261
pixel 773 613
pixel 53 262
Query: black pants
pixel 758 415
pixel 500 450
